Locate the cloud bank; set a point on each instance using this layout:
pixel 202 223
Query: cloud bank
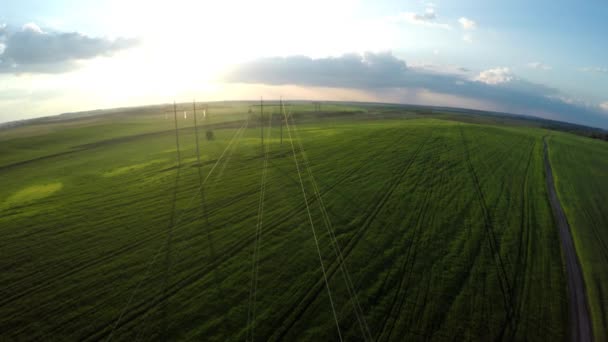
pixel 376 72
pixel 33 50
pixel 495 76
pixel 428 19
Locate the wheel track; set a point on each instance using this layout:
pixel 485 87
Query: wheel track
pixel 521 264
pixel 505 286
pixel 234 249
pixel 471 256
pixel 356 305
pixel 399 294
pixel 294 313
pixel 405 273
pixel 422 217
pixel 122 250
pixel 109 256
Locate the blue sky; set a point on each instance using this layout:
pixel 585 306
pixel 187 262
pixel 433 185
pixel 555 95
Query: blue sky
pixel 545 58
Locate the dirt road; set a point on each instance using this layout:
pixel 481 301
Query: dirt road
pixel 580 319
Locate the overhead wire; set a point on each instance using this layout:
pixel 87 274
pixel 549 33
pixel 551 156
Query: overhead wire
pixel 339 256
pixel 251 312
pixel 157 253
pixel 312 226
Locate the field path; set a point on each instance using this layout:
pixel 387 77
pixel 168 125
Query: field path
pixel 580 320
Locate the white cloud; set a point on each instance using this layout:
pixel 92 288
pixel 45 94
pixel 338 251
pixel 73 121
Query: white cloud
pixel 385 73
pixel 467 24
pixel 565 99
pixel 3 33
pixel 32 50
pixel 495 76
pixel 32 27
pixel 428 15
pixel 539 66
pixel 424 19
pixel 602 70
pixel 467 38
pixel 604 106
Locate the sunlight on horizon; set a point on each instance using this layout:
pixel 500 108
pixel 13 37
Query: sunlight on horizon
pixel 157 52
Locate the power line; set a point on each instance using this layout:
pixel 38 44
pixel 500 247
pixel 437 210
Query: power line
pixel 230 153
pixel 202 188
pixel 231 148
pixel 339 256
pixel 312 226
pixel 262 122
pixel 251 313
pixel 169 229
pixel 176 136
pixel 176 225
pixel 200 176
pixel 198 152
pixel 168 261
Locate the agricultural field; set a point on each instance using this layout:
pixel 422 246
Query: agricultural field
pixel 581 172
pixel 356 223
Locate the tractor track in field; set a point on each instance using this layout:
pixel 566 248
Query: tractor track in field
pixel 441 317
pixel 522 254
pixel 407 274
pixel 125 248
pixel 42 284
pixel 237 246
pixel 295 312
pixel 100 260
pixel 598 237
pixel 404 275
pixel 503 279
pixel 230 252
pixel 580 318
pixel 512 147
pixel 434 327
pixel 33 160
pixel 111 141
pixel 297 182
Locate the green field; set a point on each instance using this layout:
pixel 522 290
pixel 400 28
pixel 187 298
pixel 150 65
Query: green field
pixel 442 225
pixel 581 168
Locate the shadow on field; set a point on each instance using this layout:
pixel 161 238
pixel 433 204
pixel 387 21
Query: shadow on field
pixel 168 261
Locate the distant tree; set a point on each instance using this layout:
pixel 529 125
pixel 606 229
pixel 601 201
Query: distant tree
pixel 209 134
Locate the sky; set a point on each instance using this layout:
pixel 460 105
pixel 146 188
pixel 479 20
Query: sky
pixel 542 58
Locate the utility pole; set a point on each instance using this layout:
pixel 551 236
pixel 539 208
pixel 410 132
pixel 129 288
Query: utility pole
pixel 198 152
pixel 176 133
pixel 281 119
pixel 262 121
pixel 199 167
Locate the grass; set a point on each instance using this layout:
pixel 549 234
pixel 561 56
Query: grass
pixel 445 229
pixel 581 177
pixel 31 193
